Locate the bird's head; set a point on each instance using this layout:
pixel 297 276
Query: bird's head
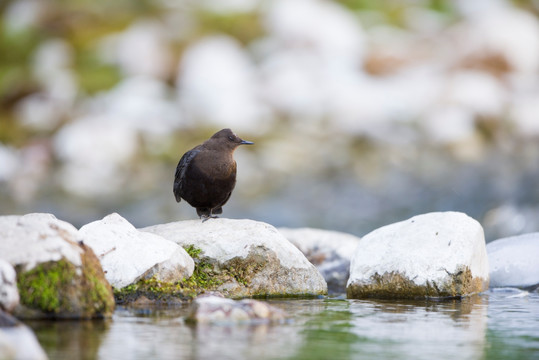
pixel 227 139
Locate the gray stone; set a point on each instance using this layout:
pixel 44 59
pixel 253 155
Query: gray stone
pixel 329 251
pixel 218 310
pixel 246 257
pixel 128 255
pixel 439 254
pixel 513 261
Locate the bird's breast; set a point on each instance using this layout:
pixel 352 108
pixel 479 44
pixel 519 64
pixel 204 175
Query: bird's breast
pixel 216 166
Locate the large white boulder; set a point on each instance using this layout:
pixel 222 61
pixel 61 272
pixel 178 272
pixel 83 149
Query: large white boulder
pixel 514 261
pixel 246 257
pixel 329 251
pixel 58 276
pixel 9 294
pixel 36 238
pixel 128 255
pixel 440 254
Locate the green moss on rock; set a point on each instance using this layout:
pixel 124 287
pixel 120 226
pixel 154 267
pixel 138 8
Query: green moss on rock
pixel 204 278
pixel 395 285
pixel 41 287
pixel 98 299
pixel 234 278
pixel 59 289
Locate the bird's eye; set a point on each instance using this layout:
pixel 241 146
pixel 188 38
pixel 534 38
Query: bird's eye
pixel 231 138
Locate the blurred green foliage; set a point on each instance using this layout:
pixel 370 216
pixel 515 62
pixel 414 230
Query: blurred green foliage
pixel 243 27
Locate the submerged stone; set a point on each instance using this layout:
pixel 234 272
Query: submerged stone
pixel 218 310
pixel 244 258
pixel 57 276
pixel 435 255
pixel 513 261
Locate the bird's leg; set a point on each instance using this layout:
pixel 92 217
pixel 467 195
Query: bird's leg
pixel 206 217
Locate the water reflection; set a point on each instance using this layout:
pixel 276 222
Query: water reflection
pixel 495 325
pixel 71 339
pixel 457 328
pixel 384 329
pixel 513 325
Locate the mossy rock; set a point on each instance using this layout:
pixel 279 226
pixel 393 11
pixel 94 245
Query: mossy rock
pixel 59 289
pixel 236 278
pixel 395 285
pixel 245 258
pixel 204 279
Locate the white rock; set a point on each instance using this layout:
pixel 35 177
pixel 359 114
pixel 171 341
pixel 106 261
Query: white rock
pixel 513 261
pixel 67 267
pixel 92 149
pixel 21 15
pixel 9 158
pixel 255 251
pixel 39 112
pixel 17 341
pixel 142 103
pixel 217 83
pixel 523 114
pixel 306 67
pixel 449 124
pixel 128 255
pixel 329 251
pixel 216 309
pixel 293 83
pixel 37 238
pixel 476 90
pixel 9 294
pixel 297 23
pixel 435 254
pixel 501 30
pixel 142 49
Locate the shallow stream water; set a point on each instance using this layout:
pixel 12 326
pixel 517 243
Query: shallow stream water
pixel 499 324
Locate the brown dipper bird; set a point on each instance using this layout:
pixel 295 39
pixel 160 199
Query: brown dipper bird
pixel 206 174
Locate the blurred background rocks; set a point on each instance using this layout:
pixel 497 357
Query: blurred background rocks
pixel 363 112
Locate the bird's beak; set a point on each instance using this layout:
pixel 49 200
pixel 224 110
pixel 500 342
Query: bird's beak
pixel 245 142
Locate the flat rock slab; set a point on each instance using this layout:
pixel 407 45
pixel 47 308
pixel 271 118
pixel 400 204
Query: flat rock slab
pixel 245 257
pixel 128 255
pixel 435 255
pixel 219 310
pixel 57 275
pixel 514 261
pixel 329 251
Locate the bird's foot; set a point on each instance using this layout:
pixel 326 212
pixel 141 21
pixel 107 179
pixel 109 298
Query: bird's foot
pixel 207 217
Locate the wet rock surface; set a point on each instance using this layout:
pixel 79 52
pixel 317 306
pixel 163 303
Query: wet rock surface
pixel 435 255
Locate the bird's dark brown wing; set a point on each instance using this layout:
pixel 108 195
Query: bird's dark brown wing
pixel 180 172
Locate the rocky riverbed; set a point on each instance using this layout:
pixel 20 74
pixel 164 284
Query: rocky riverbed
pixel 50 269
